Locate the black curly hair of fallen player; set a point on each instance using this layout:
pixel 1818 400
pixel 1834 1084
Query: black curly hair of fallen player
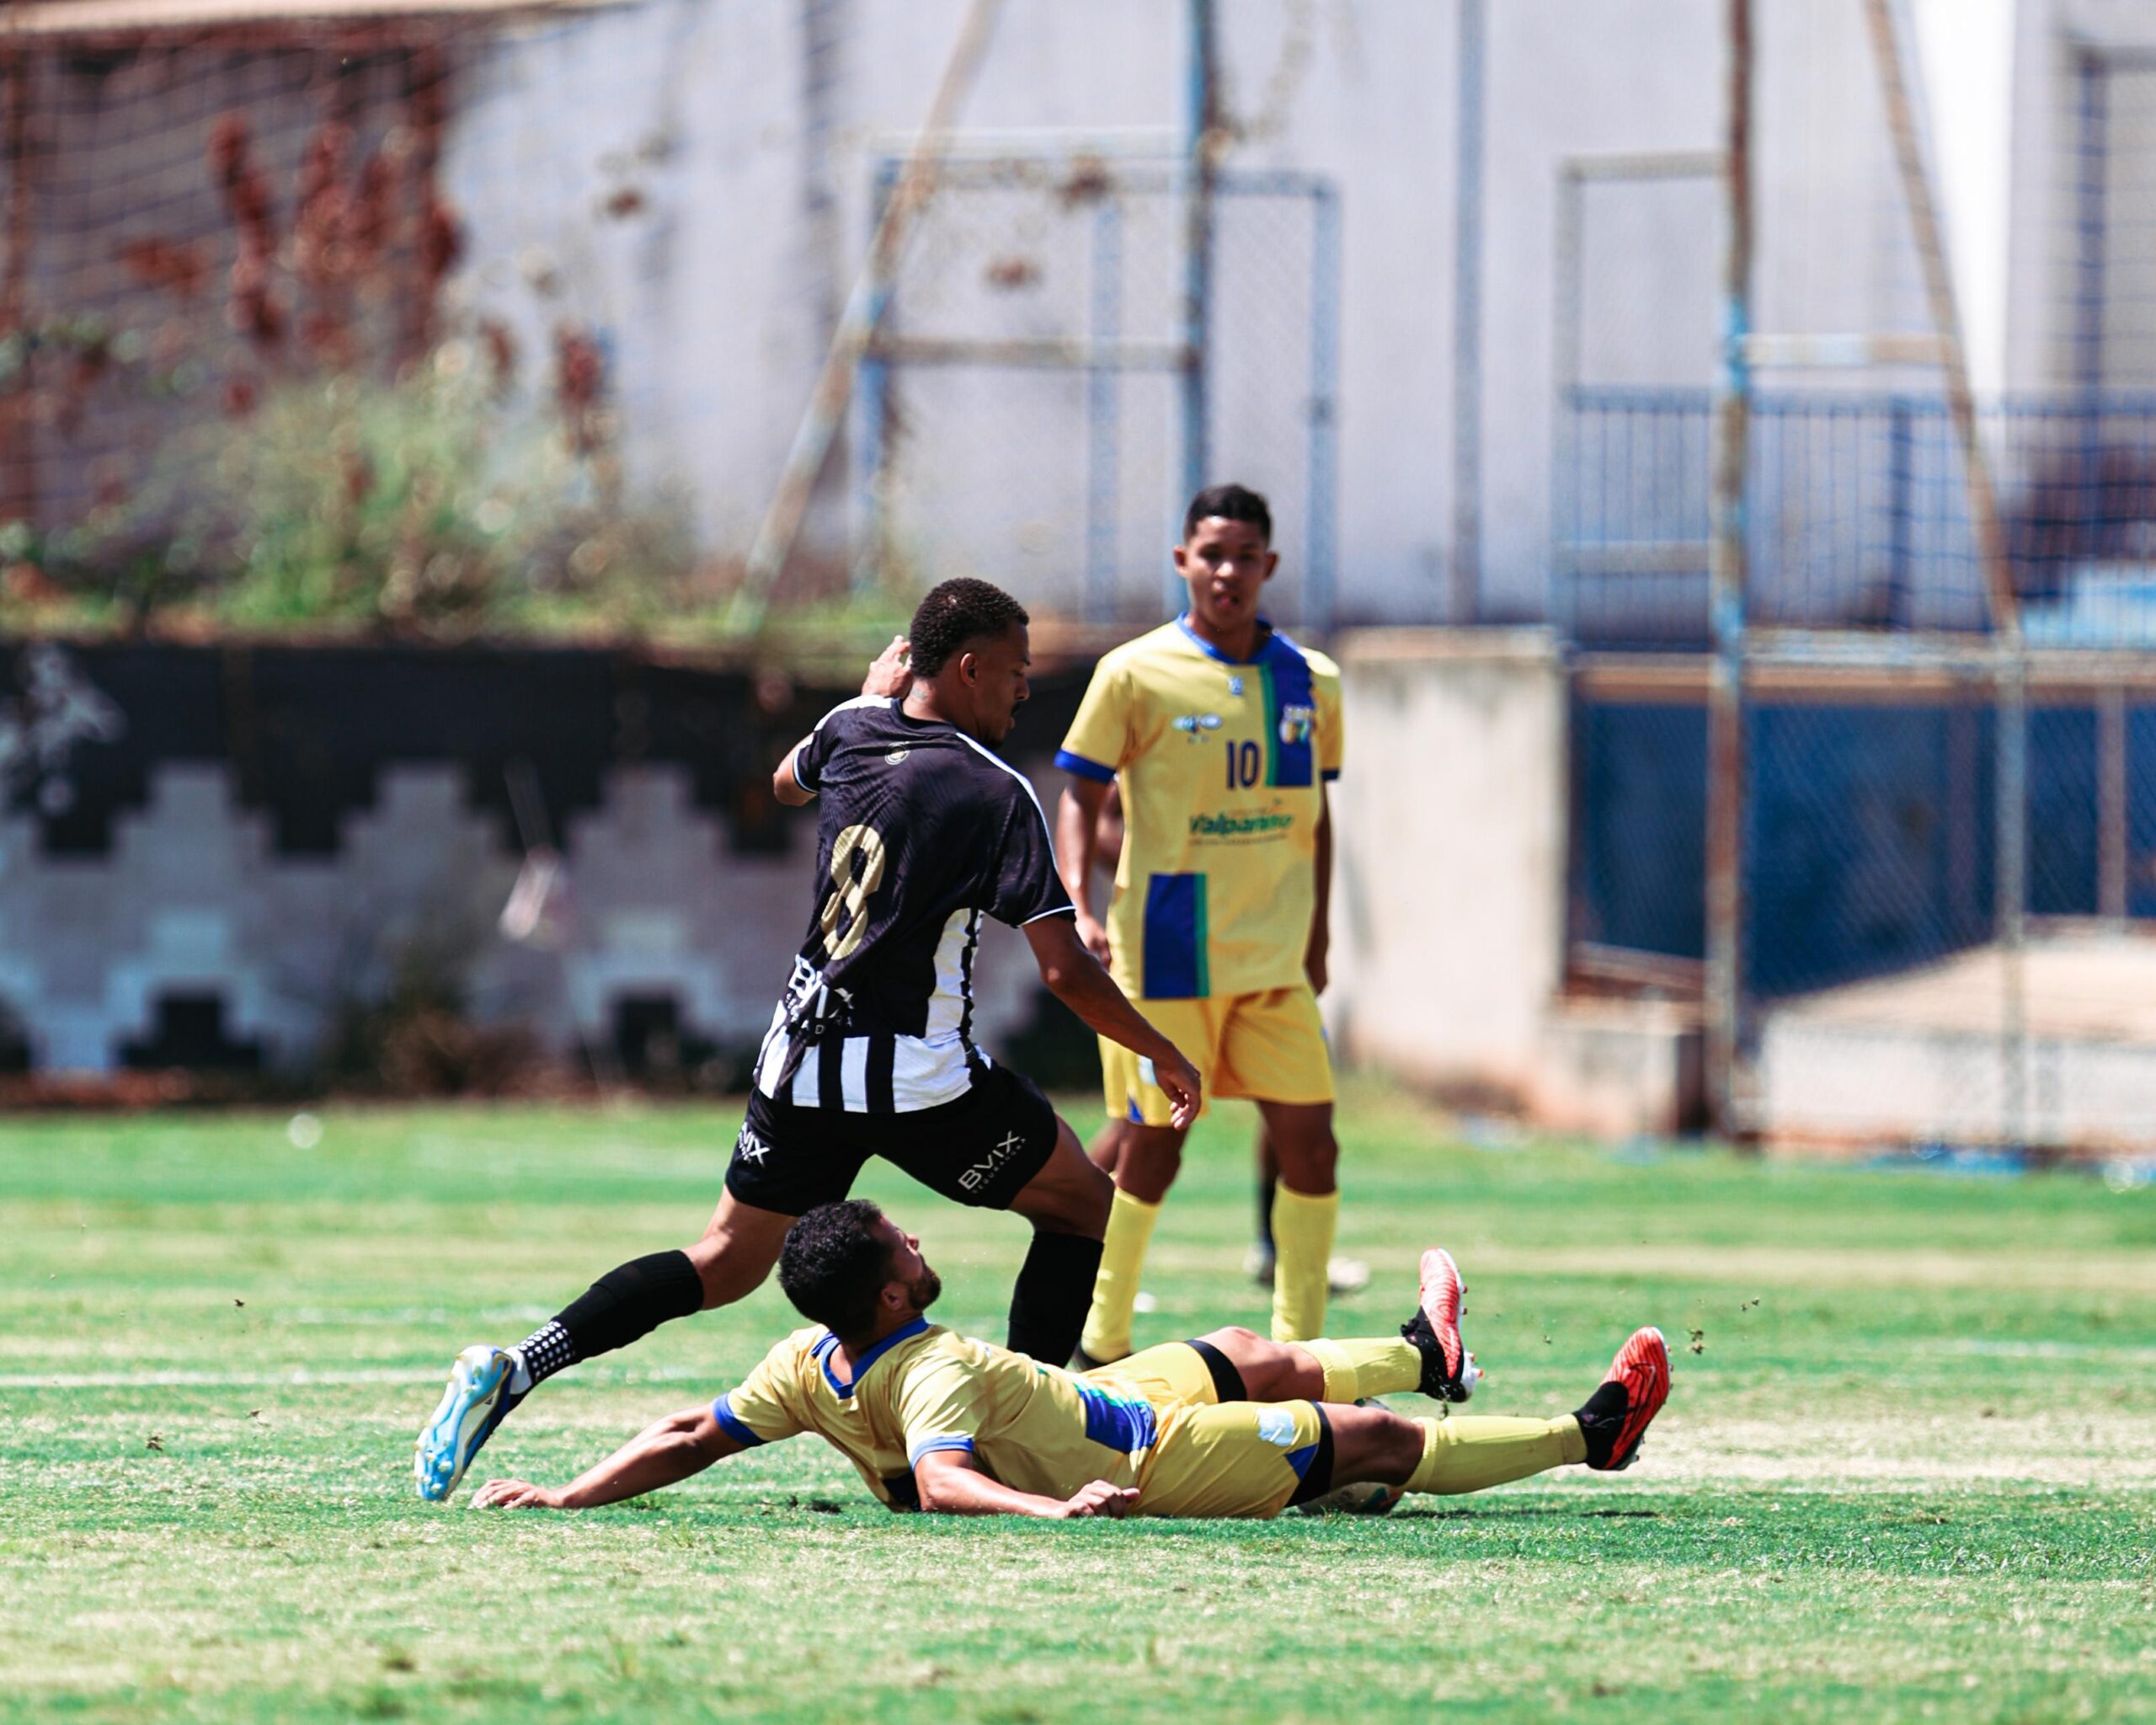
pixel 956 613
pixel 1230 503
pixel 833 1265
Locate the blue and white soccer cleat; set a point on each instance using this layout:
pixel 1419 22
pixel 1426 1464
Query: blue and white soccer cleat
pixel 475 1401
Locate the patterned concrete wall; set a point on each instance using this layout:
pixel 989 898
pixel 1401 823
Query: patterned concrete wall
pixel 166 900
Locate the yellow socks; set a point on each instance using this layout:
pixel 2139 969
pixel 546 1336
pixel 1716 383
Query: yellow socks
pixel 1469 1452
pixel 1366 1365
pixel 1123 1256
pixel 1302 1238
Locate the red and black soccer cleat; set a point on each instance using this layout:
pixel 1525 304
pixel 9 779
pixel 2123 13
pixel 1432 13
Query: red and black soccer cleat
pixel 1616 1416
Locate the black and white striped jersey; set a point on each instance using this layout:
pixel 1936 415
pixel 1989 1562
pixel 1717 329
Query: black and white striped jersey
pixel 920 828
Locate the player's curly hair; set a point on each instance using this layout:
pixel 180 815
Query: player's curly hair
pixel 956 612
pixel 1230 503
pixel 833 1266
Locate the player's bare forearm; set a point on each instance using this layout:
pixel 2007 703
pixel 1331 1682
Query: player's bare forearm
pixel 951 1485
pixel 1075 977
pixel 1315 953
pixel 1077 822
pixel 658 1456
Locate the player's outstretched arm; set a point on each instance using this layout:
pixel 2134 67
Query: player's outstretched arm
pixel 662 1455
pixel 1074 977
pixel 950 1484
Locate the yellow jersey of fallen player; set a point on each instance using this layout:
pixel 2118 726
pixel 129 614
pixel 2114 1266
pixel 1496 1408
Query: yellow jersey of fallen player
pixel 1035 1427
pixel 1223 764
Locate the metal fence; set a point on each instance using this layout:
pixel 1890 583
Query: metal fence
pixel 1857 516
pixel 1929 627
pixel 1873 908
pixel 1888 725
pixel 1023 408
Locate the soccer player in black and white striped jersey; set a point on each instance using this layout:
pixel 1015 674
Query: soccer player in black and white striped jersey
pixel 921 829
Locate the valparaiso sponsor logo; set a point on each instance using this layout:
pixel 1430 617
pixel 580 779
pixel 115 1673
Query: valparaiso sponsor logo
pixel 1237 826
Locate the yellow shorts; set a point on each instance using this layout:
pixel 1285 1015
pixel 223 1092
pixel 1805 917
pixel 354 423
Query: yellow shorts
pixel 1173 1375
pixel 1212 1459
pixel 1234 1459
pixel 1269 1047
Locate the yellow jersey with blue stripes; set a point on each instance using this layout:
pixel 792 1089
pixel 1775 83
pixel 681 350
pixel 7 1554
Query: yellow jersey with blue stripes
pixel 1223 764
pixel 1035 1427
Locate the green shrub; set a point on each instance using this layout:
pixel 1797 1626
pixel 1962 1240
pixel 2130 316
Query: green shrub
pixel 433 503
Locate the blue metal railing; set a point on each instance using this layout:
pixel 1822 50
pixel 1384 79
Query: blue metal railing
pixel 1871 830
pixel 1856 515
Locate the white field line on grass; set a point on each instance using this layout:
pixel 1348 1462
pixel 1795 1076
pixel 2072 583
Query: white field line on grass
pixel 1811 1267
pixel 2041 1350
pixel 357 1375
pixel 301 1376
pixel 2089 1450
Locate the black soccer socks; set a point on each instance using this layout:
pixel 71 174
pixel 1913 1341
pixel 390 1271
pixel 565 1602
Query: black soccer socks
pixel 1051 1299
pixel 1602 1418
pixel 628 1302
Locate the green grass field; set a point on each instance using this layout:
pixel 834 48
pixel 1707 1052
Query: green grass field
pixel 1911 1472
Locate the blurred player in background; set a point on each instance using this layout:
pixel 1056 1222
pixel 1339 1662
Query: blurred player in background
pixel 1222 734
pixel 922 828
pixel 1345 1275
pixel 1227 1425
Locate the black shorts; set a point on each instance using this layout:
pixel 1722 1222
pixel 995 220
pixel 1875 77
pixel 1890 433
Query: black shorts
pixel 981 1149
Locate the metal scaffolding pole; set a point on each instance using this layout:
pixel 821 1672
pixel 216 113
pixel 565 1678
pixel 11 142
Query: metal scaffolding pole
pixel 1723 1025
pixel 834 388
pixel 1202 119
pixel 1467 324
pixel 2012 668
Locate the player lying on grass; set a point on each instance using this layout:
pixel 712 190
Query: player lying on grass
pixel 1231 1424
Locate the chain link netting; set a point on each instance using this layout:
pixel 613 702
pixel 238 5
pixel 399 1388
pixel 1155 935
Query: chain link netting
pixel 1026 406
pixel 1887 994
pixel 1893 985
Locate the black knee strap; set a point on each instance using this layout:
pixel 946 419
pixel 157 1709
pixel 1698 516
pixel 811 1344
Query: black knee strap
pixel 1227 1382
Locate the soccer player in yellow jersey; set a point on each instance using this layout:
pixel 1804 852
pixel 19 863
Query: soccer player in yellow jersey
pixel 1228 1425
pixel 1344 1275
pixel 1222 734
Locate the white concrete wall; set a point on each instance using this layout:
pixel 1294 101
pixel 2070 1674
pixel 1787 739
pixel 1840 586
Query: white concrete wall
pixel 705 292
pixel 1449 833
pixel 2045 244
pixel 715 295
